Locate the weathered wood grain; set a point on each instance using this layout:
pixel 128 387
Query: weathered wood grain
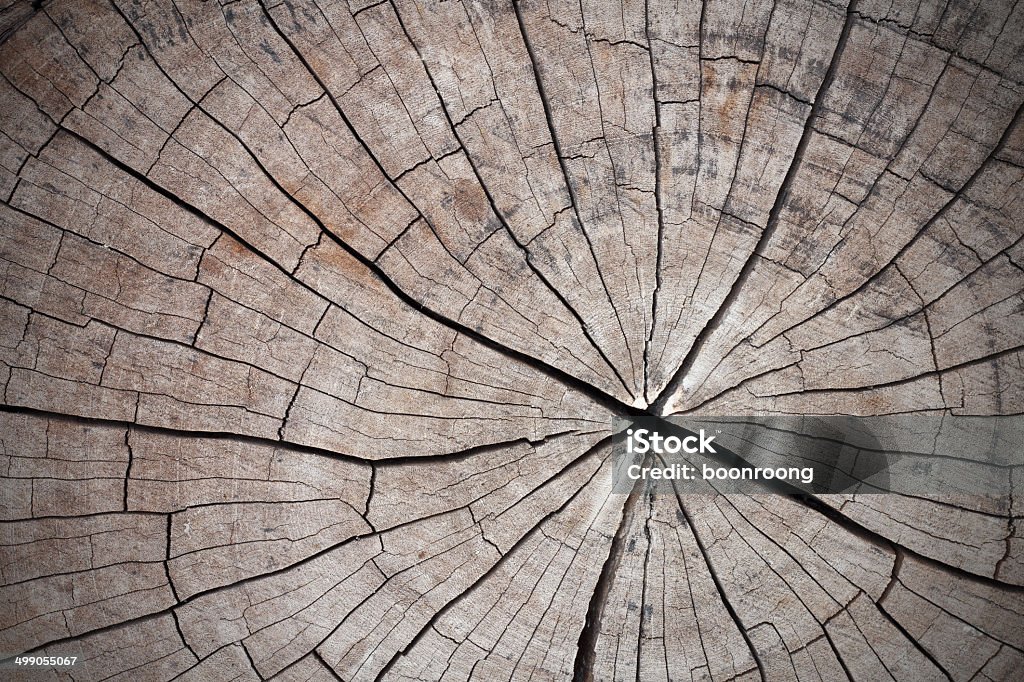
pixel 316 318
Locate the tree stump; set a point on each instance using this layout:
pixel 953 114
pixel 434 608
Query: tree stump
pixel 316 317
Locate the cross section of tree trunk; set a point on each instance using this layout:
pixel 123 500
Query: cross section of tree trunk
pixel 316 319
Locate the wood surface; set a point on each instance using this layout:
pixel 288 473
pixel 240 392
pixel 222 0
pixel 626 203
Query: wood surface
pixel 315 318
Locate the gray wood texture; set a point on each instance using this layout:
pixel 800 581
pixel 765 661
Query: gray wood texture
pixel 315 317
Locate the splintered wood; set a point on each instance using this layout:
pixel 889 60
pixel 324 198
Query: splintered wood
pixel 316 318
